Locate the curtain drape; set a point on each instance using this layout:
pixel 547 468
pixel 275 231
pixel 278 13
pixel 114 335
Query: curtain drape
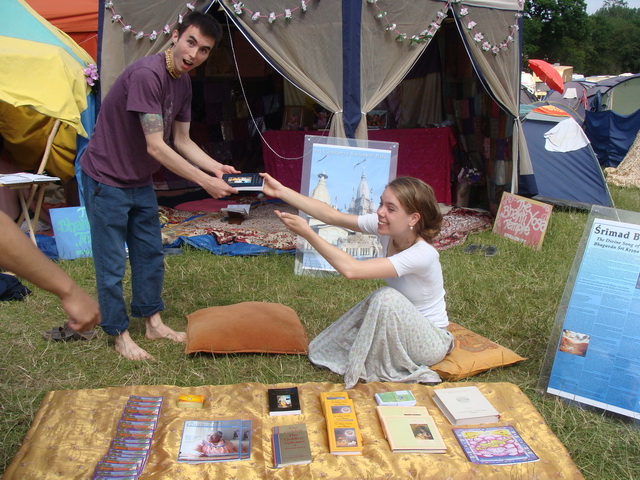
pixel 491 42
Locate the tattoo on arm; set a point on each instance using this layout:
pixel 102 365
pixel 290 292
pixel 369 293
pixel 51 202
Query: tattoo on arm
pixel 151 123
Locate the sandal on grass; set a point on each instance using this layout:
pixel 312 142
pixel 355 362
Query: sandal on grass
pixel 473 248
pixel 66 334
pixel 489 250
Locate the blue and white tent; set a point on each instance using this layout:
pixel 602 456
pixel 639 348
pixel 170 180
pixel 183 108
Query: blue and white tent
pixel 565 168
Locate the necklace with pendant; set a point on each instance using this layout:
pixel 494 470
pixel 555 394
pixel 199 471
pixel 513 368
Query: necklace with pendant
pixel 398 249
pixel 169 62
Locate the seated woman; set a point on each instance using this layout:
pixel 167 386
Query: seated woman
pixel 399 331
pixel 214 444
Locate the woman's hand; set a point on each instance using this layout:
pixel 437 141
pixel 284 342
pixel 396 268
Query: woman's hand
pixel 295 223
pixel 271 186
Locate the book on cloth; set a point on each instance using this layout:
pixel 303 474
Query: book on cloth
pixel 494 445
pixel 400 398
pixel 284 401
pixel 343 431
pixel 465 406
pixel 244 181
pixel 205 441
pixel 290 445
pixel 410 430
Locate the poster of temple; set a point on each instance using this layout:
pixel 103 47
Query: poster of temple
pixel 349 175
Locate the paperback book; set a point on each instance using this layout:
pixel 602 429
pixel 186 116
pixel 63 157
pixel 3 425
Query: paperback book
pixel 205 441
pixel 465 406
pixel 284 401
pixel 410 430
pixel 290 444
pixel 494 445
pixel 400 398
pixel 244 181
pixel 342 426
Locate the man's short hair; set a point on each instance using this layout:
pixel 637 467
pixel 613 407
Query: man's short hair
pixel 208 26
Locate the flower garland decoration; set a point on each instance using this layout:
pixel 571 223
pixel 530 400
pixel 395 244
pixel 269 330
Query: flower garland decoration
pixel 441 14
pixel 271 17
pixel 91 76
pixel 154 34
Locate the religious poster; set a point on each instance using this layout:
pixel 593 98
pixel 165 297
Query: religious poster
pixel 592 356
pixel 522 220
pixel 349 175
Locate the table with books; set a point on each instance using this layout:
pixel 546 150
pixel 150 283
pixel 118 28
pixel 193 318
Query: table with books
pixel 228 431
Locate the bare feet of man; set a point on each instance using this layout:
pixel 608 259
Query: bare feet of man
pixel 126 347
pixel 157 330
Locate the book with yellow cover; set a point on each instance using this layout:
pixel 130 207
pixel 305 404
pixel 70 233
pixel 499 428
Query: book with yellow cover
pixel 342 427
pixel 410 429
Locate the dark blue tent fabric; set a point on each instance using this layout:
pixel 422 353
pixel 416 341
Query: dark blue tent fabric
pixel 611 135
pixel 569 177
pixel 351 14
pixel 203 242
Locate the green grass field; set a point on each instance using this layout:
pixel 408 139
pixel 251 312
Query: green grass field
pixel 511 298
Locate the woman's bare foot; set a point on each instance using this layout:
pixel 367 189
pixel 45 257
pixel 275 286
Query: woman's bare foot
pixel 157 330
pixel 126 347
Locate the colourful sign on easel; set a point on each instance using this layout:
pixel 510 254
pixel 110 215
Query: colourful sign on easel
pixel 522 220
pixel 71 230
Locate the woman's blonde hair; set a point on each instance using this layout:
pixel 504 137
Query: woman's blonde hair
pixel 416 196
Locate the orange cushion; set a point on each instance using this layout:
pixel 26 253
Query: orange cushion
pixel 246 327
pixel 472 354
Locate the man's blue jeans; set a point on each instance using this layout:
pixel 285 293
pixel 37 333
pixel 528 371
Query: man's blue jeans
pixel 119 215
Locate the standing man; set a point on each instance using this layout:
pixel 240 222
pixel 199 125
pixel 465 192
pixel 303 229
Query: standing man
pixel 147 109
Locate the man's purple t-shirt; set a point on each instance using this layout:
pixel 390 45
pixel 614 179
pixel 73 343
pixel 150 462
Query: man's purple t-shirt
pixel 117 152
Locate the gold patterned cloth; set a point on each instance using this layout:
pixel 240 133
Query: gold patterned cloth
pixel 73 428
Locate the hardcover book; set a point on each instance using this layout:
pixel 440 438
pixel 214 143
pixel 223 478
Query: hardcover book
pixel 410 429
pixel 494 445
pixel 284 401
pixel 244 181
pixel 400 398
pixel 290 445
pixel 205 441
pixel 465 406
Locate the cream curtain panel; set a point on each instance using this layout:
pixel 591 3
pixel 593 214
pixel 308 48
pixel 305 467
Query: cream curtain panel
pixel 498 70
pixel 308 49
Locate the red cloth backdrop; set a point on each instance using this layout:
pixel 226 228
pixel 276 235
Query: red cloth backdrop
pixel 424 153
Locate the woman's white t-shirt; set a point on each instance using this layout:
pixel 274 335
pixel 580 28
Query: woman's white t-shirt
pixel 419 274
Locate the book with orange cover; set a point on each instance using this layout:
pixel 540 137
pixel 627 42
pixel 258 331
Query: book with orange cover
pixel 342 427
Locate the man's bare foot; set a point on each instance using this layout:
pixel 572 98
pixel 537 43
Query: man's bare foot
pixel 126 347
pixel 157 330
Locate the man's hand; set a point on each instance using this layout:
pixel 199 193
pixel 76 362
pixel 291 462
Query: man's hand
pixel 224 169
pixel 83 310
pixel 218 188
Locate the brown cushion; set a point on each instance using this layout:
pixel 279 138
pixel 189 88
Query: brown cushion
pixel 246 327
pixel 472 354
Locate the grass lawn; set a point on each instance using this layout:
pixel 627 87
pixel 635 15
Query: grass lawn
pixel 511 298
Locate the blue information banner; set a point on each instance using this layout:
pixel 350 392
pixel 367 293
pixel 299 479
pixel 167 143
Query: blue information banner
pixel 597 357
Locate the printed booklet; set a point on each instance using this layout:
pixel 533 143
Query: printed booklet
pixel 494 445
pixel 205 441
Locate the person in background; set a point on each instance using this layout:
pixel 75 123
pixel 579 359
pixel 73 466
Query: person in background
pixel 143 124
pixel 19 255
pixel 398 331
